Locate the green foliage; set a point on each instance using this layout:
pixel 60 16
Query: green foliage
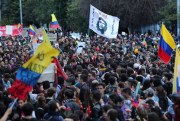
pixel 74 14
pixel 132 13
pixel 75 21
pixel 38 12
pixel 169 14
pixel 169 11
pixel 10 12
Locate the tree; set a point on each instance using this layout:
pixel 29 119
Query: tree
pixel 37 12
pixel 75 21
pixel 132 13
pixel 169 14
pixel 74 14
pixel 10 12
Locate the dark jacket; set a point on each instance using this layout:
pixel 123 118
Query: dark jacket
pixel 120 113
pixel 96 111
pixel 32 119
pixel 73 105
pixel 53 116
pixel 168 87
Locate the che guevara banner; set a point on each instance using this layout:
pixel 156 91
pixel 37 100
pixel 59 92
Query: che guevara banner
pixel 103 24
pixel 28 75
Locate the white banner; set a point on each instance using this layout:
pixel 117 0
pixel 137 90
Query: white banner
pixel 52 37
pixel 9 29
pixel 75 35
pixel 80 46
pixel 103 24
pixel 48 73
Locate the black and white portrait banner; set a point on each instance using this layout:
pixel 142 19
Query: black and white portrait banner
pixel 103 24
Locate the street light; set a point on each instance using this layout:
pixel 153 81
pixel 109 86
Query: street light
pixel 0 10
pixel 20 5
pixel 178 17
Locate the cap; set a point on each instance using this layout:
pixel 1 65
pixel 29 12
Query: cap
pixel 149 91
pixel 136 65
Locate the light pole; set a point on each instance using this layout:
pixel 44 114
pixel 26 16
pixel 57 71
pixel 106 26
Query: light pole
pixel 0 10
pixel 178 17
pixel 20 5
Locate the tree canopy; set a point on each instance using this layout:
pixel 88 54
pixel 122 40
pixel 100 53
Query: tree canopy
pixel 74 14
pixel 133 13
pixel 169 14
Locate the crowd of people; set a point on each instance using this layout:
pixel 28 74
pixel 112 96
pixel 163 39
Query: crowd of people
pixel 110 80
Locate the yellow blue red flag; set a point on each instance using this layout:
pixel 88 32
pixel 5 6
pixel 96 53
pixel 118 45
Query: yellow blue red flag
pixel 28 75
pixel 54 23
pixel 31 31
pixel 166 45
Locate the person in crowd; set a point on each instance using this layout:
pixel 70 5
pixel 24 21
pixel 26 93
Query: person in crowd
pixel 101 89
pixel 111 115
pixel 27 110
pixel 96 106
pixel 84 91
pixel 69 100
pixel 5 81
pixel 117 103
pixel 126 92
pixel 105 108
pixel 53 112
pixel 50 94
pixel 167 83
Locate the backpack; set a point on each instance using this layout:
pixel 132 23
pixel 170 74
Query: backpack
pixel 99 108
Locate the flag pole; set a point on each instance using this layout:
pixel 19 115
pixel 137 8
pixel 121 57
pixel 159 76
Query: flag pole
pixel 89 48
pixel 15 100
pixel 20 5
pixel 178 18
pixel 89 39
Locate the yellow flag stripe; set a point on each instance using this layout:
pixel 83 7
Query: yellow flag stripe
pixel 30 26
pixel 167 37
pixel 42 57
pixel 53 17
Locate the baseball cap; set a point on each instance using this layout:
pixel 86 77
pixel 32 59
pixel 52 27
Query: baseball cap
pixel 149 91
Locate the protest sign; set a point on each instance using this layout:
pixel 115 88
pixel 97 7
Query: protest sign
pixel 52 37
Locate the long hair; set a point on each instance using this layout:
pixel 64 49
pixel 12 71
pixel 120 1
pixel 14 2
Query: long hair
pixel 163 101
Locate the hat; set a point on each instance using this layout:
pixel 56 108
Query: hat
pixel 149 91
pixel 100 54
pixel 136 65
pixel 136 51
pixel 95 81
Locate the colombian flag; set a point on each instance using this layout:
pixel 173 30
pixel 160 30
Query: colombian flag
pixel 54 23
pixel 31 31
pixel 176 81
pixel 28 75
pixel 166 45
